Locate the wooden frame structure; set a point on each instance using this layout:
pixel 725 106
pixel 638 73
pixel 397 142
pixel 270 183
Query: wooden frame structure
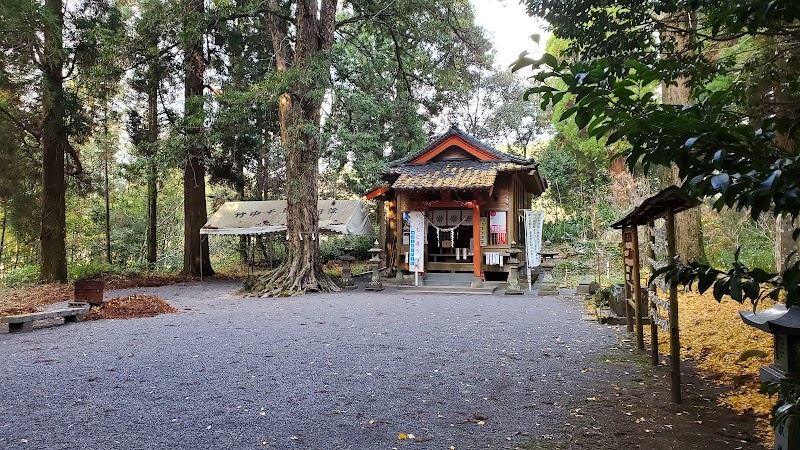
pixel 665 204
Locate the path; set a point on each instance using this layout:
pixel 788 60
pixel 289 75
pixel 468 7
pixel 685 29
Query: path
pixel 327 371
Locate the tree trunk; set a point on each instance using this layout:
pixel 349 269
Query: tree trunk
pixel 784 225
pixel 244 240
pixel 152 176
pixel 55 144
pixel 3 237
pixel 106 157
pixel 688 224
pixel 195 249
pixel 299 117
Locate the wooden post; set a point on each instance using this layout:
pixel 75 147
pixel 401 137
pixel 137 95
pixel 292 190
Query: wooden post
pixel 381 223
pixel 626 266
pixel 477 281
pixel 637 290
pixel 674 338
pixel 651 254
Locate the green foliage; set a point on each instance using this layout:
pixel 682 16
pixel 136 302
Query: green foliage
pixel 564 230
pixel 331 247
pixel 22 276
pixel 787 409
pixel 722 152
pixel 728 230
pixel 391 75
pixel 89 270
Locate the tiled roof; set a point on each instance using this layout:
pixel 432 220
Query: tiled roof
pixel 452 174
pixel 453 131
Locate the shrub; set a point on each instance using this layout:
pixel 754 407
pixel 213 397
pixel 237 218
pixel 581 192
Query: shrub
pixel 90 269
pixel 21 276
pixel 331 247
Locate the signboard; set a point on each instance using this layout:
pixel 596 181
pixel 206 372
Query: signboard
pixel 406 226
pixel 416 249
pixel 484 231
pixel 497 221
pixel 534 219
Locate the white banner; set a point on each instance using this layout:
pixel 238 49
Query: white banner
pixel 534 219
pixel 416 257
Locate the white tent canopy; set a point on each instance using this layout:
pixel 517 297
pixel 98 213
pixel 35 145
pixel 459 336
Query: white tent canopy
pixel 259 217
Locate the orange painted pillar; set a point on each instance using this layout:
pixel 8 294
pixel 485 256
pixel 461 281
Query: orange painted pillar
pixel 476 244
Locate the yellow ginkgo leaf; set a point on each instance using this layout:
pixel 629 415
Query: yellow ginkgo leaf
pixel 371 421
pixel 481 422
pixel 402 436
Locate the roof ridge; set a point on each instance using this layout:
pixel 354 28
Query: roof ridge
pixel 455 131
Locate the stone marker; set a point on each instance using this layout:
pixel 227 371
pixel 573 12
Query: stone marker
pixel 548 286
pixel 513 287
pixel 347 278
pixel 375 283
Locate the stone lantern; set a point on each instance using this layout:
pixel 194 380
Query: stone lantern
pixel 513 287
pixel 375 283
pixel 548 285
pixel 347 259
pixel 784 325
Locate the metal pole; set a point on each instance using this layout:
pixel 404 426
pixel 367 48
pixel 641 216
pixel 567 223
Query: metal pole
pixel 674 338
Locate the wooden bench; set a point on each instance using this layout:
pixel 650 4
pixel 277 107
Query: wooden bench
pixel 24 322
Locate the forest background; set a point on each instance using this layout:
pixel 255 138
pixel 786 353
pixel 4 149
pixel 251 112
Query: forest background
pixel 110 109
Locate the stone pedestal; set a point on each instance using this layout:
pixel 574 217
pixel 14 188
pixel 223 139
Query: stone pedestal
pixel 583 286
pixel 347 278
pixel 477 282
pixel 375 283
pixel 513 287
pixel 548 285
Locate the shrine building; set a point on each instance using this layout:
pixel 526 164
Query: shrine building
pixel 470 198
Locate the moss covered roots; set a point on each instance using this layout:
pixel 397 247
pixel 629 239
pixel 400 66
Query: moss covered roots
pixel 286 282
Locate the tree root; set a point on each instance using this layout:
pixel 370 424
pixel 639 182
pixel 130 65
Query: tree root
pixel 285 282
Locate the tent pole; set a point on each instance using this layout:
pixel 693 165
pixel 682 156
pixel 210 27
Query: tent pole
pixel 201 258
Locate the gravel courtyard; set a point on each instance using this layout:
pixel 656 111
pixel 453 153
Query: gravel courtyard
pixel 349 370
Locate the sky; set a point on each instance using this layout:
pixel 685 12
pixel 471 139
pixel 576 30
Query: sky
pixel 510 28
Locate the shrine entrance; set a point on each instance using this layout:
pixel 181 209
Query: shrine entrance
pixel 467 198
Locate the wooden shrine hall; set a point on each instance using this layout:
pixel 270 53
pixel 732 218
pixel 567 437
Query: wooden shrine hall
pixel 470 198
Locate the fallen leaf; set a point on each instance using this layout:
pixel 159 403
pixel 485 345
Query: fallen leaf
pixel 402 436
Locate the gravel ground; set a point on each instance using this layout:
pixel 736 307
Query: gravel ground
pixel 326 371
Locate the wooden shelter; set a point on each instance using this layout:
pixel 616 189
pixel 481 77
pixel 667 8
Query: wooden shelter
pixel 472 197
pixel 664 204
